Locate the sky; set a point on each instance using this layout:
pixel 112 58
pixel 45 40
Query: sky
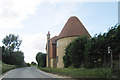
pixel 32 19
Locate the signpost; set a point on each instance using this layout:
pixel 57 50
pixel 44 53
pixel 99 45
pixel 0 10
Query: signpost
pixel 110 52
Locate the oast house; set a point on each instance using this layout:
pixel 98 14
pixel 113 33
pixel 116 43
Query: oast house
pixel 56 45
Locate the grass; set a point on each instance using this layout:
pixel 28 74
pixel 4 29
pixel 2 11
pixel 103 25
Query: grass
pixel 5 67
pixel 80 72
pixel 33 65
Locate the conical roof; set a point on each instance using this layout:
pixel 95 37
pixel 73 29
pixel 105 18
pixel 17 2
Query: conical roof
pixel 73 27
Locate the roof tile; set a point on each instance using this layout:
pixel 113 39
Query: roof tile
pixel 73 27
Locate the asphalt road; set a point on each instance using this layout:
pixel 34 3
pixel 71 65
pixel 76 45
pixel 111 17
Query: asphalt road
pixel 27 72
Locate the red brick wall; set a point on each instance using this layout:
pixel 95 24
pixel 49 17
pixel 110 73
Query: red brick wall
pixel 52 50
pixel 50 47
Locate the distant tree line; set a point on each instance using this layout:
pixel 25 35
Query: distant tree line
pixel 10 50
pixel 41 59
pixel 33 63
pixel 93 52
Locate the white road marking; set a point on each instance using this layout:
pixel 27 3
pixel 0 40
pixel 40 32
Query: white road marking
pixel 6 74
pixel 46 73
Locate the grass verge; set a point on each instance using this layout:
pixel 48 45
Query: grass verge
pixel 5 67
pixel 80 72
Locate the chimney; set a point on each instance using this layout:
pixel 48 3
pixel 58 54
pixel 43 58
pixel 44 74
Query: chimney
pixel 48 50
pixel 48 36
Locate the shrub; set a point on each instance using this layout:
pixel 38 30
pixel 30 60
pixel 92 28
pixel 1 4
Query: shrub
pixel 74 54
pixel 41 59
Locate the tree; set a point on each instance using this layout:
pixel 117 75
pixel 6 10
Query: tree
pixel 96 54
pixel 33 63
pixel 66 58
pixel 13 58
pixel 113 37
pixel 74 55
pixel 28 64
pixel 41 59
pixel 9 54
pixel 12 42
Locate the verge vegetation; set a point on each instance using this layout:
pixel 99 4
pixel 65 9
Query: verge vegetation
pixel 41 59
pixel 94 52
pixel 80 72
pixel 100 51
pixel 12 57
pixel 6 67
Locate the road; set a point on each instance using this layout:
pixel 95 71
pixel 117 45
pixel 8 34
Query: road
pixel 27 72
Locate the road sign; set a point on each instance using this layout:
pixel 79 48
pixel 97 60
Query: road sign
pixel 109 50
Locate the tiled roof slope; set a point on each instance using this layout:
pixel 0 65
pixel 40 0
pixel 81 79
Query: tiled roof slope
pixel 53 40
pixel 73 27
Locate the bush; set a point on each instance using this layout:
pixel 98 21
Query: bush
pixel 33 63
pixel 28 64
pixel 41 59
pixel 75 51
pixel 93 52
pixel 13 58
pixel 96 53
pixel 10 50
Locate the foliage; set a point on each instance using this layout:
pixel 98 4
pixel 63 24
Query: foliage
pixel 66 58
pixel 9 54
pixel 41 59
pixel 80 72
pixel 28 64
pixel 113 37
pixel 6 67
pixel 74 54
pixel 96 53
pixel 93 52
pixel 12 42
pixel 13 58
pixel 33 63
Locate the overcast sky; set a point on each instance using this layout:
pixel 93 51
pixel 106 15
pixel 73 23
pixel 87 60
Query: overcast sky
pixel 32 19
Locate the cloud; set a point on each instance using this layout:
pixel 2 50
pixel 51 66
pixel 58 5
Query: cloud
pixel 13 12
pixel 32 44
pixel 60 16
pixel 35 41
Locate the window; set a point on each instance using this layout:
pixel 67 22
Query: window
pixel 57 59
pixel 57 44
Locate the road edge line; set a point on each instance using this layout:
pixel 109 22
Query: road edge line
pixel 52 76
pixel 5 74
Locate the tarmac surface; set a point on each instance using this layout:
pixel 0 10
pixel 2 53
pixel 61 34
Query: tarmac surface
pixel 26 72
